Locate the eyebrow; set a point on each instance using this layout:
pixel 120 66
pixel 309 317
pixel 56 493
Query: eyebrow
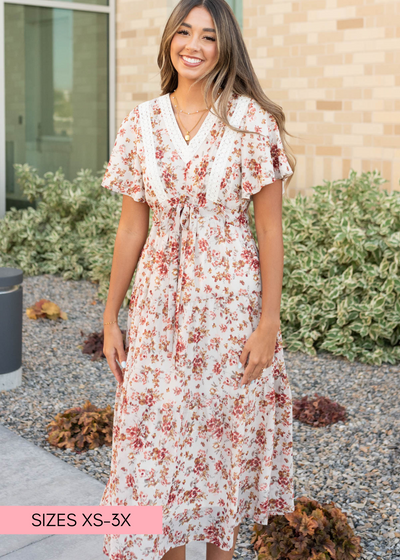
pixel 204 28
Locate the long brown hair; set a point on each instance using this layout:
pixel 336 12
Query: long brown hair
pixel 233 73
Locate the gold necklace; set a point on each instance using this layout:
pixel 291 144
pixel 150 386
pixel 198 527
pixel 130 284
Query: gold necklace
pixel 187 135
pixel 182 111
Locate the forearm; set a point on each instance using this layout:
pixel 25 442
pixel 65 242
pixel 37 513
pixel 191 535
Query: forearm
pixel 127 250
pixel 270 244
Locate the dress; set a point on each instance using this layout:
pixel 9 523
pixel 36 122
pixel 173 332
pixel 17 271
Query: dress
pixel 185 435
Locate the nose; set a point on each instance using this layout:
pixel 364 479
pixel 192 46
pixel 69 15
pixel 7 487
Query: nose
pixel 192 43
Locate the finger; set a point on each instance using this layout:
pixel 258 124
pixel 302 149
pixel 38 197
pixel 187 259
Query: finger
pixel 119 376
pixel 248 375
pixel 121 368
pixel 122 364
pixel 117 373
pixel 268 363
pixel 251 375
pixel 116 370
pixel 121 356
pixel 243 356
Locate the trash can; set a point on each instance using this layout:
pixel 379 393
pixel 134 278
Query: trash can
pixel 10 328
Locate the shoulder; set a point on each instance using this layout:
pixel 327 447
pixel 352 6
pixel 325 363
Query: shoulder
pixel 129 129
pixel 135 124
pixel 256 113
pixel 134 114
pixel 131 118
pixel 150 104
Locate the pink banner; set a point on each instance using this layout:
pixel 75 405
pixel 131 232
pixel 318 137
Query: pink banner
pixel 80 520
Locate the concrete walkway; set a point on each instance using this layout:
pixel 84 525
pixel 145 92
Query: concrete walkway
pixel 32 476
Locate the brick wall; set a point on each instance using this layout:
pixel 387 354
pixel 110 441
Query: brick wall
pixel 139 26
pixel 333 65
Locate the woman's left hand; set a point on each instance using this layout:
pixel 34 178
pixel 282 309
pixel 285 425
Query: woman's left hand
pixel 261 347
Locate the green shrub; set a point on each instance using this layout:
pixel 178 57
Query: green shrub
pixel 313 531
pixel 70 233
pixel 341 285
pixel 341 280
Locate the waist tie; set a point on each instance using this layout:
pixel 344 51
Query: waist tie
pixel 184 230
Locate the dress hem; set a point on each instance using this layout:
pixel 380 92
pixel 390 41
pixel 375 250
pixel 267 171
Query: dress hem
pixel 197 538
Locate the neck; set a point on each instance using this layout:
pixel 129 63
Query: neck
pixel 191 98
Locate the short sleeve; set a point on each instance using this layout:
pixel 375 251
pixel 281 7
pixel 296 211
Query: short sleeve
pixel 124 173
pixel 263 157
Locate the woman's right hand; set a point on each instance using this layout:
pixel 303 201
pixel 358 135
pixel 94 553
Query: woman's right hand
pixel 113 349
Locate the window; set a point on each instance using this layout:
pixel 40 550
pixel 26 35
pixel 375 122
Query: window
pixel 56 91
pixel 237 7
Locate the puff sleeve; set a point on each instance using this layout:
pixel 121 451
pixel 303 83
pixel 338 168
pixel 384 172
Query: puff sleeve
pixel 263 157
pixel 124 173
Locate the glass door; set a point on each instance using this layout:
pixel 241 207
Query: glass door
pixel 56 92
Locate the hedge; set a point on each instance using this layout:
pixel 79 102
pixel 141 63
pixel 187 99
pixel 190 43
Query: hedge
pixel 341 281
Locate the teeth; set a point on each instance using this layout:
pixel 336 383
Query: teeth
pixel 191 59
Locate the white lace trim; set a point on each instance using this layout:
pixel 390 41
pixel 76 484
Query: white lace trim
pixel 185 151
pixel 224 149
pixel 218 169
pixel 153 171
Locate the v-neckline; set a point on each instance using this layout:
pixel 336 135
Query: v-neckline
pixel 185 151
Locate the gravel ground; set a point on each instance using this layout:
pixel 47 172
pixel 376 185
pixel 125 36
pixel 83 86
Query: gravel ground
pixel 354 464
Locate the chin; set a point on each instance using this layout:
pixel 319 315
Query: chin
pixel 190 74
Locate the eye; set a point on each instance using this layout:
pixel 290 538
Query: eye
pixel 184 32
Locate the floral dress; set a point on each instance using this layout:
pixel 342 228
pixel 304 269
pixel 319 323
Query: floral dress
pixel 185 435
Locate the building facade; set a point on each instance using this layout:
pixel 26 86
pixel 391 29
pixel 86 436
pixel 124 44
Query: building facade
pixel 57 89
pixel 73 71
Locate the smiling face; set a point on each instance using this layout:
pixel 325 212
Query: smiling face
pixel 194 46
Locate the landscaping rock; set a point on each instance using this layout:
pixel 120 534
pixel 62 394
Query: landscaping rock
pixel 355 464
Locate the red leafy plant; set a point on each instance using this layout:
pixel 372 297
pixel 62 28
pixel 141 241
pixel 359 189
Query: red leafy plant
pixel 46 309
pixel 312 532
pixel 319 411
pixel 94 344
pixel 83 428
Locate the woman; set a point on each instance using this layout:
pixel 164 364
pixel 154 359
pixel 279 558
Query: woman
pixel 202 422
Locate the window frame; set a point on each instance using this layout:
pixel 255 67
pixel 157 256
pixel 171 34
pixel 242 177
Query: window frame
pixel 59 4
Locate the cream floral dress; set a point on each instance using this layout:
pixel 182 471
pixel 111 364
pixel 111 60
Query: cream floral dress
pixel 186 436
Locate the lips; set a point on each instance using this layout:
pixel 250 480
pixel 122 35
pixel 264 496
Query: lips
pixel 191 61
